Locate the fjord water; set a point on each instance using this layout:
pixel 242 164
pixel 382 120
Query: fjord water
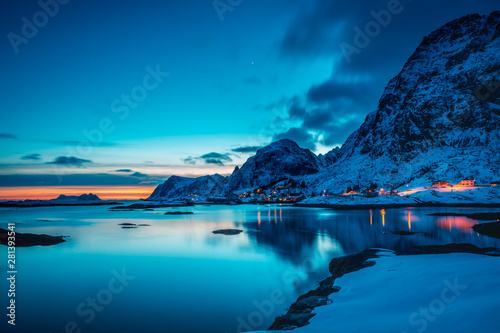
pixel 176 276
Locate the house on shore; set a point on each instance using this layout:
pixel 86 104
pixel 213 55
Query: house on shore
pixel 467 182
pixel 441 183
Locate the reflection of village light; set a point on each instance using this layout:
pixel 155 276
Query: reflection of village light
pixel 383 216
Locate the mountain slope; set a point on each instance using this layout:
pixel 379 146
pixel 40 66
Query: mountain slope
pixel 438 118
pixel 279 160
pixel 180 187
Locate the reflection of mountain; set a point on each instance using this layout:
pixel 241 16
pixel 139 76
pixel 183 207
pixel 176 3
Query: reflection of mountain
pixel 291 239
pixel 294 232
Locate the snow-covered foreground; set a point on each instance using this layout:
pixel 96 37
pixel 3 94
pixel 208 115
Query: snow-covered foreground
pixel 418 293
pixel 445 196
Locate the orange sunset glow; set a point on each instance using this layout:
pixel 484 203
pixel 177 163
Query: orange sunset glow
pixel 52 192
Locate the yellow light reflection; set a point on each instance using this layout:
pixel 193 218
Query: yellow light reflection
pixel 382 212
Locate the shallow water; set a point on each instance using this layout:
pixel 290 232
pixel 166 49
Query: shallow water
pixel 186 279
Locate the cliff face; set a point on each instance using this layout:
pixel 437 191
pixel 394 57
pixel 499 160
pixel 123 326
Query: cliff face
pixel 439 117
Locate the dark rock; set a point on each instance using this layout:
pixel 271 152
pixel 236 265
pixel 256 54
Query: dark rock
pixel 491 229
pixel 228 232
pixel 179 213
pixel 26 240
pixel 405 233
pixel 449 248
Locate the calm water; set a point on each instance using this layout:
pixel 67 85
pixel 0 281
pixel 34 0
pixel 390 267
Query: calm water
pixel 186 279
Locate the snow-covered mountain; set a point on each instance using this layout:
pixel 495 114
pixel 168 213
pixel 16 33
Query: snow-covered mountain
pixel 180 187
pixel 279 160
pixel 439 118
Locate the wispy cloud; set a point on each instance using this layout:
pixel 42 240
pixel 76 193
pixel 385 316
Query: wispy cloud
pixel 69 161
pixel 246 149
pixel 123 170
pixel 210 158
pixel 139 175
pixel 33 157
pixel 8 136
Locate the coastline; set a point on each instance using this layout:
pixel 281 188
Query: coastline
pixel 304 308
pixel 400 205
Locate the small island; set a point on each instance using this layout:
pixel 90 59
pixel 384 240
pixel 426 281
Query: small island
pixel 27 240
pixel 227 232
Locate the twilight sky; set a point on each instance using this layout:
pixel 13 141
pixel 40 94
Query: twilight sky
pixel 126 93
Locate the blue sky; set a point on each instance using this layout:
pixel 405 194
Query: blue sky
pixel 265 71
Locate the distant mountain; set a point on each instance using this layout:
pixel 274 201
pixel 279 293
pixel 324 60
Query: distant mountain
pixel 279 160
pixel 88 197
pixel 439 118
pixel 83 197
pixel 180 187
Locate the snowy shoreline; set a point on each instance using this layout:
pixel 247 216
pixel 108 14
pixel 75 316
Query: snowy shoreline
pixel 400 205
pixel 359 288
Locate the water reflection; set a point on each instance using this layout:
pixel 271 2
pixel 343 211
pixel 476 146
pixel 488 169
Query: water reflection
pixel 298 230
pixel 171 254
pixel 459 223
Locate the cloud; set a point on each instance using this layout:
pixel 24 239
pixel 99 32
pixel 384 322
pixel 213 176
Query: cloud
pixel 139 175
pixel 300 135
pixel 210 158
pixel 69 161
pixel 216 158
pixel 329 123
pixel 32 157
pixel 123 170
pixel 332 90
pixel 329 111
pixel 246 149
pixel 8 136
